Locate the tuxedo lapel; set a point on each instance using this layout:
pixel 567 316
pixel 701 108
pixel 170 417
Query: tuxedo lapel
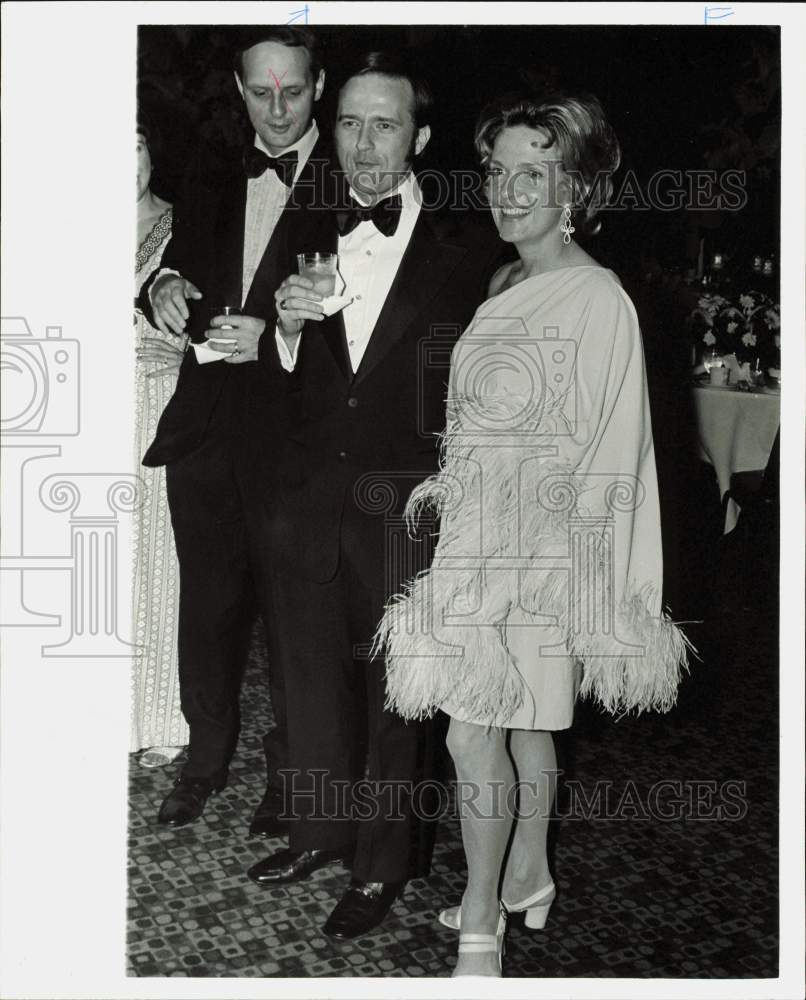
pixel 228 280
pixel 332 327
pixel 299 216
pixel 427 264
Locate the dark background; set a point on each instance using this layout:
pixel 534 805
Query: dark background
pixel 679 98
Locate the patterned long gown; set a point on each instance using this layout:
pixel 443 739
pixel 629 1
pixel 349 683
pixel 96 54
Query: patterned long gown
pixel 157 719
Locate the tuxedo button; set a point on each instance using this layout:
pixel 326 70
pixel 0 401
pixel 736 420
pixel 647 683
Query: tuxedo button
pixel 352 402
pixel 342 455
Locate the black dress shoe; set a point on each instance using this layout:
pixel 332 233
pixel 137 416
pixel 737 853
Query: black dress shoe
pixel 361 908
pixel 293 866
pixel 266 821
pixel 187 800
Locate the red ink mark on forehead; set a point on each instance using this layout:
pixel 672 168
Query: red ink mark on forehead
pixel 277 80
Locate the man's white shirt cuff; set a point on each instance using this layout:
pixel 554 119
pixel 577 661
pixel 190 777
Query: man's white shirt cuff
pixel 287 359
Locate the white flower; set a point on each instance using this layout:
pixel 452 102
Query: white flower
pixel 777 340
pixel 773 319
pixel 746 301
pixel 749 340
pixel 709 338
pixel 732 326
pixel 711 304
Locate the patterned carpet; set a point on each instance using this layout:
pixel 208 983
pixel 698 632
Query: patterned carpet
pixel 676 879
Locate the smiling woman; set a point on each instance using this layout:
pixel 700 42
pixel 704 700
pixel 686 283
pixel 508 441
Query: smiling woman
pixel 547 454
pixel 559 157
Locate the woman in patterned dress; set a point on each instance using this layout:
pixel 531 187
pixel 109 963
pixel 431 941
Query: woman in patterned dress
pixel 546 580
pixel 158 726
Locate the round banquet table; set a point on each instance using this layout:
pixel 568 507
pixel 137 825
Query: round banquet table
pixel 736 431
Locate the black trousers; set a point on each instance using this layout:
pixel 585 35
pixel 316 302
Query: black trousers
pixel 353 765
pixel 224 572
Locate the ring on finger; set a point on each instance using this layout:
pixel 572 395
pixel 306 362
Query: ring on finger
pixel 283 303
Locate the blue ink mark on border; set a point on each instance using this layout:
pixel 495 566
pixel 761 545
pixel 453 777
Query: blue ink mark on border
pixel 297 14
pixel 717 13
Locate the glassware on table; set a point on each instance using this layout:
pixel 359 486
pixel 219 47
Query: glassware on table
pixel 712 359
pixel 321 269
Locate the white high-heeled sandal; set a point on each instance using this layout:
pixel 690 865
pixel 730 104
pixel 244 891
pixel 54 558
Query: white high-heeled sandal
pixel 536 910
pixel 479 944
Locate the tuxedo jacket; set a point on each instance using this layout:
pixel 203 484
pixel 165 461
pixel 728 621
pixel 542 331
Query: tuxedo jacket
pixel 357 444
pixel 207 247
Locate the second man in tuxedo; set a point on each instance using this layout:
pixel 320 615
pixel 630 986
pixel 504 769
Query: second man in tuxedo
pixel 229 237
pixel 368 400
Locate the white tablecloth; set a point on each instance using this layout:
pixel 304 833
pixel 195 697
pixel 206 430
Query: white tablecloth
pixel 737 431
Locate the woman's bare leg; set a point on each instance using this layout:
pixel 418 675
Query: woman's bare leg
pixel 485 778
pixel 535 761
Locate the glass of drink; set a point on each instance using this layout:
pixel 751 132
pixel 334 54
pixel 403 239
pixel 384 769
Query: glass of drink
pixel 226 311
pixel 221 310
pixel 321 269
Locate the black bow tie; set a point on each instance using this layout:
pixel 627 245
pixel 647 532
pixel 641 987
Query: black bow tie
pixel 256 163
pixel 385 215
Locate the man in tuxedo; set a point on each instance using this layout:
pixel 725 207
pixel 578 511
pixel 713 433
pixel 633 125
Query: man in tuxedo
pixel 229 236
pixel 369 390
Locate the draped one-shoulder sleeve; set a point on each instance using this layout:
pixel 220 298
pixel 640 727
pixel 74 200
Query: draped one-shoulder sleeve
pixel 548 502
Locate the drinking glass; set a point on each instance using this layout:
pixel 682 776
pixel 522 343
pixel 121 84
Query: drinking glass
pixel 711 359
pixel 226 311
pixel 321 269
pixel 219 310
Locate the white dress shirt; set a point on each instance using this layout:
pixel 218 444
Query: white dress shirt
pixel 266 197
pixel 368 263
pixel 265 200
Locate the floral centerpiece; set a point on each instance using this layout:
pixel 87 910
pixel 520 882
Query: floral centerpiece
pixel 747 325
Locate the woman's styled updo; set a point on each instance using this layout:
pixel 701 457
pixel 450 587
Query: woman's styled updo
pixel 577 126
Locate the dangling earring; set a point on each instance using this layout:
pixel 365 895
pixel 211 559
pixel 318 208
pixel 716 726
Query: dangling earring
pixel 565 226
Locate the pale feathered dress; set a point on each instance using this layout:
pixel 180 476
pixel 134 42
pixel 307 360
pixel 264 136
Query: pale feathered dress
pixel 546 581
